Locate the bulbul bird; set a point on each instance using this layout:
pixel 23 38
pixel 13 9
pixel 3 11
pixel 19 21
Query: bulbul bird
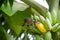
pixel 28 21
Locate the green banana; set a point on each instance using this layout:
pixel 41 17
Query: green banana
pixel 55 27
pixel 54 16
pixel 48 23
pixel 47 36
pixel 48 15
pixel 42 19
pixel 33 30
pixel 38 37
pixel 36 17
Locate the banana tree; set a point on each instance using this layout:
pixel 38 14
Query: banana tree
pixel 30 17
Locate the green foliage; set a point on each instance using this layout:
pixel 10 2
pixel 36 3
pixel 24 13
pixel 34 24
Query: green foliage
pixel 4 35
pixel 1 2
pixel 16 21
pixel 11 2
pixel 16 7
pixel 55 36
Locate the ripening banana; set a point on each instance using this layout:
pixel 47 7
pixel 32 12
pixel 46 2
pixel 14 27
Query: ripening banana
pixel 40 26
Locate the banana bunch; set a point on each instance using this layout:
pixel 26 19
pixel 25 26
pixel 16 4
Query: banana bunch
pixel 44 24
pixel 47 23
pixel 46 20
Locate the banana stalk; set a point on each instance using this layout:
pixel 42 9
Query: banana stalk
pixel 53 4
pixel 37 6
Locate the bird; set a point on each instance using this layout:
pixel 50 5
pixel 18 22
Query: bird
pixel 28 21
